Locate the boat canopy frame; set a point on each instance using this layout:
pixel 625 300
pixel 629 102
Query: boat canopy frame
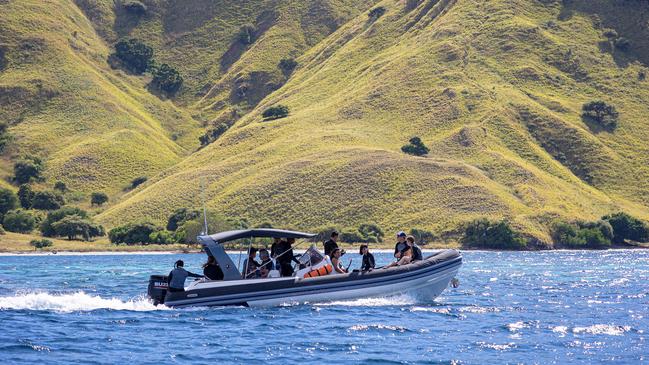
pixel 213 245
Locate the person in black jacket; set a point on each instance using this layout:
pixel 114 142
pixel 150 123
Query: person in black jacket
pixel 416 251
pixel 212 270
pixel 285 256
pixel 332 244
pixel 368 259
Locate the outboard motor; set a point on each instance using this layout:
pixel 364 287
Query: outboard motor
pixel 157 288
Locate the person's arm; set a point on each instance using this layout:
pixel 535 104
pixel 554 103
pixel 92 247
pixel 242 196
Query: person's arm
pixel 194 275
pixel 171 275
pixel 371 261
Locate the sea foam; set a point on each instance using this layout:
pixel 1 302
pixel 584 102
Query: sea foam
pixel 73 302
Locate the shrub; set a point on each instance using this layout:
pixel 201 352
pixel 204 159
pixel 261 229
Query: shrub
pixel 482 233
pixel 138 181
pixel 610 33
pixel 581 234
pixel 60 186
pixel 42 243
pixel 246 35
pixel 287 65
pixel 19 221
pixel 5 137
pixel 276 112
pixel 180 216
pixel 213 134
pixel 324 233
pixel 136 56
pixel 622 44
pixel 98 198
pixel 28 169
pixel 370 233
pixel 422 236
pixel 162 237
pixel 416 147
pixel 133 233
pixel 74 225
pixel 627 227
pixel 8 201
pixel 376 12
pixel 192 228
pixel 25 195
pixel 350 237
pixel 601 113
pixel 135 7
pixel 47 200
pixel 47 228
pixel 167 79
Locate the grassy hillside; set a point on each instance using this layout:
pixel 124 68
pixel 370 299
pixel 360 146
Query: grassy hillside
pixel 494 88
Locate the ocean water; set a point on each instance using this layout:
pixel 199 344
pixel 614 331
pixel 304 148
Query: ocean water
pixel 528 307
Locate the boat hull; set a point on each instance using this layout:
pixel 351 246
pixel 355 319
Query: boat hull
pixel 424 280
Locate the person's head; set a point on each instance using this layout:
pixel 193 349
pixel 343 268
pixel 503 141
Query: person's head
pixel 363 250
pixel 290 241
pixel 334 236
pixel 401 236
pixel 263 254
pixel 252 252
pixel 211 260
pixel 410 240
pixel 179 263
pixel 277 240
pixel 335 253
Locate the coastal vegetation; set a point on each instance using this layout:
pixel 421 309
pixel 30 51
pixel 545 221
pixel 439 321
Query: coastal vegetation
pixel 483 233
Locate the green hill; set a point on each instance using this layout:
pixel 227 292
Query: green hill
pixel 494 88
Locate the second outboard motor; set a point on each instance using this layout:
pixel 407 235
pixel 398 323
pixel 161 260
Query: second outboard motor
pixel 157 288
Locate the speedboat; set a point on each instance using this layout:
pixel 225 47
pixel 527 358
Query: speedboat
pixel 314 282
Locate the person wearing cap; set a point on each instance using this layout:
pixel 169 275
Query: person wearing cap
pixel 250 265
pixel 177 277
pixel 332 244
pixel 401 245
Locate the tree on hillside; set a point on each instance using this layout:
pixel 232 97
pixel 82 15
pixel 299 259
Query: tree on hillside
pixel 133 233
pixel 213 134
pixel 26 196
pixel 136 56
pixel 287 65
pixel 60 186
pixel 246 34
pixel 38 244
pixel 98 198
pixel 73 226
pixel 28 169
pixel 138 181
pixel 135 7
pixel 626 227
pixel 5 137
pixel 376 13
pixel 47 200
pixel 19 221
pixel 167 79
pixel 52 217
pixel 600 113
pixel 483 233
pixel 416 147
pixel 276 112
pixel 180 216
pixel 8 201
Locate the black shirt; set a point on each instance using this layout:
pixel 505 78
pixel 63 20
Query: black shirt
pixel 329 247
pixel 368 262
pixel 213 272
pixel 416 253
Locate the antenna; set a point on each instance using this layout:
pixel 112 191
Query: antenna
pixel 205 230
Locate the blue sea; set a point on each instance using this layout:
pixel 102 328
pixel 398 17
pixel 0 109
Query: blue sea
pixel 514 307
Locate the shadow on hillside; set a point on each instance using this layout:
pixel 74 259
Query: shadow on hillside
pixel 264 22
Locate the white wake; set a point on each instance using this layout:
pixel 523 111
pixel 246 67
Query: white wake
pixel 74 302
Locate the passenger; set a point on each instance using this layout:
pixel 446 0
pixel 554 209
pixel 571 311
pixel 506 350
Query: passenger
pixel 368 258
pixel 177 277
pixel 273 248
pixel 400 246
pixel 335 261
pixel 250 265
pixel 331 244
pixel 285 257
pixel 416 251
pixel 405 256
pixel 212 270
pixel 266 263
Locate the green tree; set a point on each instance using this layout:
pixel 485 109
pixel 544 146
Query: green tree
pixel 28 169
pixel 276 112
pixel 26 196
pixel 180 216
pixel 422 236
pixel 133 233
pixel 5 137
pixel 19 221
pixel 162 238
pixel 8 201
pixel 98 198
pixel 416 147
pixel 287 65
pixel 136 56
pixel 60 186
pixel 627 227
pixel 47 200
pixel 167 79
pixel 72 226
pixel 376 13
pixel 370 233
pixel 600 113
pixel 246 35
pixel 52 217
pixel 138 181
pixel 482 233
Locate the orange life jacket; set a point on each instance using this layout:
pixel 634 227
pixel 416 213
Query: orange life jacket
pixel 321 271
